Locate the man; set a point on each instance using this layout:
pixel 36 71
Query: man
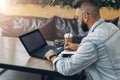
pixel 98 53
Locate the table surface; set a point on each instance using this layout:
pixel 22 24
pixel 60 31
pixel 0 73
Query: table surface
pixel 14 56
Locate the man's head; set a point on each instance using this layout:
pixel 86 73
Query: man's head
pixel 87 12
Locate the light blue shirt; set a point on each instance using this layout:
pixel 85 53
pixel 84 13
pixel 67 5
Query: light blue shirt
pixel 98 54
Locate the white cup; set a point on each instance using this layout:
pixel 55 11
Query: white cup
pixel 68 38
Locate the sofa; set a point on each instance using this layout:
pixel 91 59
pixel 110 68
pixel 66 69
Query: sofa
pixel 51 28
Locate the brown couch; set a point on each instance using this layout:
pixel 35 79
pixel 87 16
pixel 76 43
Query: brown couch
pixel 51 28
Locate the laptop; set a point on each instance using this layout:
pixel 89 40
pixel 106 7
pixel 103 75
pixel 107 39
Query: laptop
pixel 36 45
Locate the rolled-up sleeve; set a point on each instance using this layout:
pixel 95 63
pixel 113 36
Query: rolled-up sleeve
pixel 83 57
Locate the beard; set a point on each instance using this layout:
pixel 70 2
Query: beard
pixel 84 26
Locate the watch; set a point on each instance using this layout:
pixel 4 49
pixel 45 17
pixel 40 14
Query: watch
pixel 52 56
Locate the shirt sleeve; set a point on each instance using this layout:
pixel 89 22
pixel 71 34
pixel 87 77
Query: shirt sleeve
pixel 83 57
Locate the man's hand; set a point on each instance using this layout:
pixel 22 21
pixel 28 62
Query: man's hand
pixel 71 46
pixel 50 55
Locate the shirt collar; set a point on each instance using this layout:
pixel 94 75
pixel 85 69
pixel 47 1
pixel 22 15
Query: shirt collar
pixel 96 24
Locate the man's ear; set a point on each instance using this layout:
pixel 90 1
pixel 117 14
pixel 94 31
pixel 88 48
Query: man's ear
pixel 85 17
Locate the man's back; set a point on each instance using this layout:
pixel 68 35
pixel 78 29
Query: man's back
pixel 113 47
pixel 106 38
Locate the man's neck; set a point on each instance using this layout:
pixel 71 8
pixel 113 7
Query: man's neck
pixel 92 21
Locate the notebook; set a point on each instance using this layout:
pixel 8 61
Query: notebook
pixel 36 45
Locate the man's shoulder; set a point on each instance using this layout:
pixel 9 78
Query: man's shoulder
pixel 92 38
pixel 102 32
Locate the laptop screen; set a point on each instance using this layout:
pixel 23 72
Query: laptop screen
pixel 33 40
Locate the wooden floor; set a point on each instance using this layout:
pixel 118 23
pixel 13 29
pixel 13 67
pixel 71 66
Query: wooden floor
pixel 17 75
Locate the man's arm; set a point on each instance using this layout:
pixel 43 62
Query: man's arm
pixel 83 57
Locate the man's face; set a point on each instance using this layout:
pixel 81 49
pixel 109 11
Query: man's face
pixel 81 21
pixel 84 26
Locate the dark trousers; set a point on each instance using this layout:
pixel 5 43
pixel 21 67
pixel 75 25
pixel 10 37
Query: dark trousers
pixel 80 76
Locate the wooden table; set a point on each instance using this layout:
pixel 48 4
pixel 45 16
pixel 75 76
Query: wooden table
pixel 14 56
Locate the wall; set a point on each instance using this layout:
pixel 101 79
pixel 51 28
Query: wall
pixel 36 10
pixel 47 11
pixel 107 13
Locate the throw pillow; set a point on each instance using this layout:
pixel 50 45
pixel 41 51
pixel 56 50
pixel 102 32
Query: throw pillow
pixel 48 30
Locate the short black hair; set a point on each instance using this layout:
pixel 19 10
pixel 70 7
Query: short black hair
pixel 78 3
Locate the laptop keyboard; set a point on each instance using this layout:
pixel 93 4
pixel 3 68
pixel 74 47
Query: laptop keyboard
pixel 46 49
pixel 56 49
